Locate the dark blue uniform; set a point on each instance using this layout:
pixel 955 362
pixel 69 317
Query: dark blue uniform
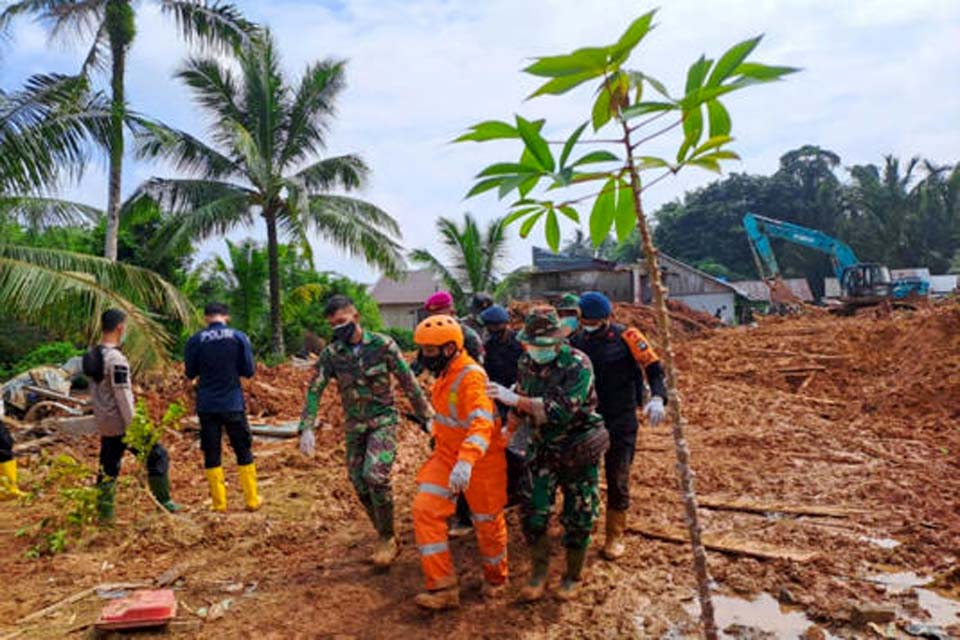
pixel 501 354
pixel 220 356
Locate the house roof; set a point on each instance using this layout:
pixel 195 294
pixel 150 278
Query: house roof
pixel 546 260
pixel 412 288
pixel 758 291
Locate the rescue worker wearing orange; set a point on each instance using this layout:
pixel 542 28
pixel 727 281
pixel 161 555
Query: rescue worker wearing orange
pixel 468 458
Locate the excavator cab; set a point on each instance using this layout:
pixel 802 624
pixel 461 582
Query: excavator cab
pixel 866 283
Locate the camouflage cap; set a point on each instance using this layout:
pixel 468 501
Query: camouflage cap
pixel 542 327
pixel 569 302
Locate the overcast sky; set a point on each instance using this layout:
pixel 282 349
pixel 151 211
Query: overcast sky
pixel 879 76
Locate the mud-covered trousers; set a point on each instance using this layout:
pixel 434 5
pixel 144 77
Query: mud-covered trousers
pixel 112 449
pixel 6 444
pixel 581 501
pixel 619 458
pixel 371 451
pixel 212 426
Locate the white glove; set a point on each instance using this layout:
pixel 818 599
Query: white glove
pixel 460 476
pixel 654 411
pixel 502 395
pixel 308 442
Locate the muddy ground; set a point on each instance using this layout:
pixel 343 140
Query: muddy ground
pixel 861 414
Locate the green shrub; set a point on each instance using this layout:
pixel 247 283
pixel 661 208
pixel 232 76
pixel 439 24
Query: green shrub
pixel 50 353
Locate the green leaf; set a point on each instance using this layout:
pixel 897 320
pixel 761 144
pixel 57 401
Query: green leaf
pixel 721 155
pixel 570 212
pixel 589 59
pixel 519 213
pixel 719 119
pixel 706 163
pixel 559 86
pixel 730 60
pixel 562 178
pixel 640 77
pixel 535 143
pixel 763 72
pixel 643 108
pixel 489 130
pixel 596 156
pixel 571 141
pixel 696 74
pixel 527 185
pixel 529 223
pixel 510 183
pixel 651 162
pixel 631 38
pixel 711 143
pixel 553 231
pixel 626 217
pixel 602 214
pixel 692 128
pixel 484 185
pixel 506 168
pixel 601 109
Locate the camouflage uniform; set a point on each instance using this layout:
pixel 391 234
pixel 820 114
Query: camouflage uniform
pixel 474 324
pixel 569 402
pixel 363 374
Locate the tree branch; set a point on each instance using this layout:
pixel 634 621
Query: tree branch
pixel 641 125
pixel 654 135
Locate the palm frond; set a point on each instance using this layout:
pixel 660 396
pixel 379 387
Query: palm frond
pixel 68 292
pixel 38 213
pixel 428 260
pixel 347 223
pixel 187 153
pixel 219 25
pixel 197 209
pixel 347 172
pixel 313 106
pixel 266 96
pixel 214 87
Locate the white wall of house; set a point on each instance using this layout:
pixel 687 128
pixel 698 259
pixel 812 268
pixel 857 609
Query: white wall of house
pixel 403 316
pixel 710 302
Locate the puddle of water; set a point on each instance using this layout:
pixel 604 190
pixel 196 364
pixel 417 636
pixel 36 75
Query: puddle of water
pixel 883 543
pixel 943 611
pixel 763 612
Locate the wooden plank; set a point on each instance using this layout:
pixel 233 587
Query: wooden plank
pixel 80 596
pixel 728 544
pixel 751 506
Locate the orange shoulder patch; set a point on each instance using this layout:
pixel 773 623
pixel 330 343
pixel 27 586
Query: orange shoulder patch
pixel 639 347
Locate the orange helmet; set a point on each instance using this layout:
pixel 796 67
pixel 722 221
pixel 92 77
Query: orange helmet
pixel 437 331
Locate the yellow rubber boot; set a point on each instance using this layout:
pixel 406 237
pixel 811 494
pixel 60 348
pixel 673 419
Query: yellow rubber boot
pixel 248 480
pixel 218 490
pixel 8 481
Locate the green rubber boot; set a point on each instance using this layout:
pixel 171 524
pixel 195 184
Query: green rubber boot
pixel 540 561
pixel 105 499
pixel 570 586
pixel 160 488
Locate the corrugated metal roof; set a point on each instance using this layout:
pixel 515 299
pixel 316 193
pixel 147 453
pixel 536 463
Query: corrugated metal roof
pixel 413 288
pixel 546 260
pixel 758 291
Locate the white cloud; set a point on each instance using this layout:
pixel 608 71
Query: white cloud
pixel 879 77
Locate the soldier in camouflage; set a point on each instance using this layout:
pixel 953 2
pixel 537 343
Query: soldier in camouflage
pixel 362 362
pixel 556 396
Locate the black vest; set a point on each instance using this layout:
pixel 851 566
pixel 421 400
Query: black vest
pixel 616 372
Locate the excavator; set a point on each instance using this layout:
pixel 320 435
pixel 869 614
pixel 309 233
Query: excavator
pixel 862 284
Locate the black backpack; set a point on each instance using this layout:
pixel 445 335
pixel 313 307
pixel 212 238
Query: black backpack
pixel 93 364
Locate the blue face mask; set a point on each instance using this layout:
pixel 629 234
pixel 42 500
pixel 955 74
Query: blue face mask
pixel 542 355
pixel 571 322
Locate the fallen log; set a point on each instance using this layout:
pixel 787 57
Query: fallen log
pixel 726 544
pixel 750 506
pixel 80 595
pixel 31 445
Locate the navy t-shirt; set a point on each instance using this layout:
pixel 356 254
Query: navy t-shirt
pixel 219 355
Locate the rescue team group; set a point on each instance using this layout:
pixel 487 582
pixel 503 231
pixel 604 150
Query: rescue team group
pixel 513 418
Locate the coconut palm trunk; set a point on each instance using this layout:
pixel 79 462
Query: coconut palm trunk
pixel 120 37
pixel 273 261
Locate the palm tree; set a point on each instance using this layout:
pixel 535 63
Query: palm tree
pixel 476 256
pixel 111 24
pixel 265 131
pixel 44 131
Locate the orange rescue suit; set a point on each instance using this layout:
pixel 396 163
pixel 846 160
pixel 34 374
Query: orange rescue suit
pixel 465 427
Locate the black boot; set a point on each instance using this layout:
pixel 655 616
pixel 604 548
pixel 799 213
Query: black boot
pixel 540 565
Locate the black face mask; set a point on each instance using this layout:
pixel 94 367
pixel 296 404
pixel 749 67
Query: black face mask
pixel 344 333
pixel 436 364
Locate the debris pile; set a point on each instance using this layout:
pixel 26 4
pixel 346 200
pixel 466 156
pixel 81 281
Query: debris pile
pixel 826 452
